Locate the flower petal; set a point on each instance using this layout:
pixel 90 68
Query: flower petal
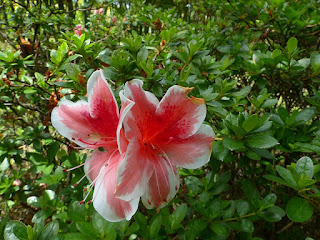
pixel 180 116
pixel 177 116
pixel 192 152
pixel 90 125
pixel 134 172
pixel 102 103
pixel 97 161
pixel 73 121
pixel 104 200
pixel 126 105
pixel 163 184
pixel 142 113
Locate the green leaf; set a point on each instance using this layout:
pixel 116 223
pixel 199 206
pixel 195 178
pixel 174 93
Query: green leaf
pixel 132 229
pixel 37 145
pixel 305 115
pixel 53 148
pixel 3 223
pixel 75 236
pixel 270 216
pixel 219 229
pixel 31 233
pixel 42 215
pixel 15 230
pixel 304 181
pixel 77 212
pixel 155 225
pixel 277 210
pixel 219 151
pixel 102 225
pixel 246 225
pixel 292 45
pixel 50 230
pixel 69 84
pixel 29 90
pixel 178 215
pixel 251 192
pixel 278 180
pixel 299 210
pixel 242 207
pixel 315 61
pixel 4 165
pixel 269 201
pixel 250 123
pixel 142 54
pixel 304 166
pixel 260 141
pixel 193 183
pixel 87 229
pixel 287 176
pixel 242 93
pixel 232 144
pixel 229 212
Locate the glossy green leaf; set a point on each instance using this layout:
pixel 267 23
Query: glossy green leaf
pixel 304 166
pixel 260 141
pixel 292 45
pixel 299 210
pixel 15 230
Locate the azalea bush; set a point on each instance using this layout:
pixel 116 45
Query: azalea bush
pixel 207 112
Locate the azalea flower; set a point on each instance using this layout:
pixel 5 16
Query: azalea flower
pixel 95 125
pixel 78 29
pixel 161 136
pixel 142 145
pixel 98 11
pixel 17 182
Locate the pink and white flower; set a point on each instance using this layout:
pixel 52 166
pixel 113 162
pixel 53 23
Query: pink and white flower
pixel 93 125
pixel 78 29
pixel 143 144
pixel 17 182
pixel 162 136
pixel 98 11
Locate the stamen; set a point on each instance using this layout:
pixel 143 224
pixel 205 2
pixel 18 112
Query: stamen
pixel 80 148
pixel 102 143
pixel 165 156
pixel 85 175
pixel 167 180
pixel 157 183
pixel 70 169
pixel 95 180
pixel 94 197
pixel 80 140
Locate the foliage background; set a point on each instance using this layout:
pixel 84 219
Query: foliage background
pixel 256 64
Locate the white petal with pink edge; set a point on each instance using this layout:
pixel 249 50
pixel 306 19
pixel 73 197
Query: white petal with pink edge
pixel 182 115
pixel 162 186
pixel 192 152
pixel 134 173
pixel 71 121
pixel 126 105
pixel 100 96
pixel 106 204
